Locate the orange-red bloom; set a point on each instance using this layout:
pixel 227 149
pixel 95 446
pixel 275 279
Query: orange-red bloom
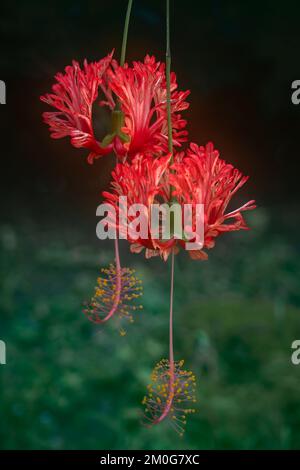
pixel 136 96
pixel 199 177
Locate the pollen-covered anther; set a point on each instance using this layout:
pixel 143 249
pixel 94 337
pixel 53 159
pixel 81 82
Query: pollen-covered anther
pixel 170 391
pixel 116 295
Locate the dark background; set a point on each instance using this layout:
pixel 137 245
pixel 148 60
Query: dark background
pixel 239 60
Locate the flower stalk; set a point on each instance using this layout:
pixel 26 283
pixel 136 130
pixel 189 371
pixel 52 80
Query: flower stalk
pixel 125 33
pixel 168 79
pixel 170 147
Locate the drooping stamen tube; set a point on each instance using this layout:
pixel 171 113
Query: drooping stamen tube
pixel 171 349
pixel 119 286
pixel 171 388
pixel 115 295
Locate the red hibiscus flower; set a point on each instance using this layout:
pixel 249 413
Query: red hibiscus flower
pixel 136 97
pixel 199 177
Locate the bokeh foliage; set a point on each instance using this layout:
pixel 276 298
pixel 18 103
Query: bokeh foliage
pixel 69 384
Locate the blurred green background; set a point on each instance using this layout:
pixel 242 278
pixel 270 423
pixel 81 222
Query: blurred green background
pixel 69 384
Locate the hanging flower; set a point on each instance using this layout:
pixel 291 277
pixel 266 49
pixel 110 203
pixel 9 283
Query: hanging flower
pixel 136 97
pixel 197 177
pixel 146 122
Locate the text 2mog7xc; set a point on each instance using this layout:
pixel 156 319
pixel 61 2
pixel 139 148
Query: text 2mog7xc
pixel 151 459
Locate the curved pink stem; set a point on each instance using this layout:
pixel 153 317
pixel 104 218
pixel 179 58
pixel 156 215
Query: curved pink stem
pixel 118 284
pixel 171 351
